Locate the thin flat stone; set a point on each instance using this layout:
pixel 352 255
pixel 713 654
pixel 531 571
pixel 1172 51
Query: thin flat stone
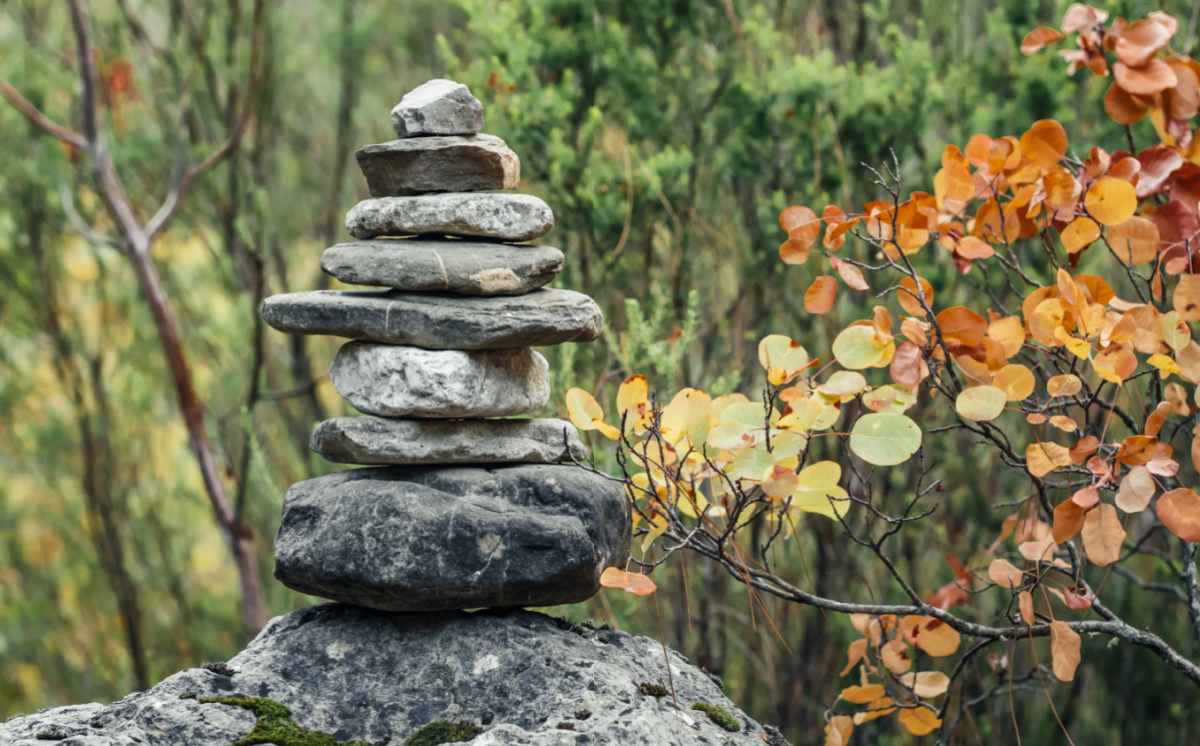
pixel 452 266
pixel 438 538
pixel 438 107
pixel 402 381
pixel 439 322
pixel 381 441
pixel 502 216
pixel 444 163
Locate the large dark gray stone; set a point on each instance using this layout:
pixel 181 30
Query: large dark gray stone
pixel 402 381
pixel 462 267
pixel 448 163
pixel 524 678
pixel 504 216
pixel 438 107
pixel 430 538
pixel 379 440
pixel 439 322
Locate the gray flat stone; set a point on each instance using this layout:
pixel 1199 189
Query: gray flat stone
pixel 402 381
pixel 380 441
pixel 436 538
pixel 525 678
pixel 439 322
pixel 503 216
pixel 443 163
pixel 452 266
pixel 438 107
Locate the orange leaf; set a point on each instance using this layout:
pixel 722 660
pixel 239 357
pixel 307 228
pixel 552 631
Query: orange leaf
pixel 1004 574
pixel 919 721
pixel 1068 519
pixel 1135 241
pixel 850 274
pixel 1079 234
pixel 909 297
pixel 1179 511
pixel 1123 108
pixel 820 295
pixel 861 695
pixel 631 582
pixel 1154 77
pixel 1064 651
pixel 1035 40
pixel 1044 144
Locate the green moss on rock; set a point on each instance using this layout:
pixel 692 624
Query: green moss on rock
pixel 720 716
pixel 647 689
pixel 275 724
pixel 443 731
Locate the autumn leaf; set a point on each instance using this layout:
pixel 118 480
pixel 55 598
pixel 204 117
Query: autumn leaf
pixel 819 297
pixel 919 721
pixel 885 438
pixel 1004 574
pixel 782 358
pixel 1111 201
pixel 1103 535
pixel 1179 511
pixel 630 582
pixel 1038 38
pixel 980 403
pixel 1064 651
pixel 586 414
pixel 926 683
pixel 861 695
pixel 1043 457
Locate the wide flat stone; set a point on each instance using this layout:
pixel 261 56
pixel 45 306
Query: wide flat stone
pixel 526 679
pixel 381 441
pixel 438 107
pixel 452 266
pixel 443 163
pixel 402 381
pixel 436 538
pixel 503 216
pixel 439 322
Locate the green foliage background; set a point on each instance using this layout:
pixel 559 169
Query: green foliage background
pixel 666 135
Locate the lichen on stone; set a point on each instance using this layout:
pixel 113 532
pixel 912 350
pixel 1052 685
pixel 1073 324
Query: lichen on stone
pixel 443 731
pixel 275 724
pixel 720 716
pixel 649 689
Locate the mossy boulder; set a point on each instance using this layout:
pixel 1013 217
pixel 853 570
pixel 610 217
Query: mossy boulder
pixel 344 675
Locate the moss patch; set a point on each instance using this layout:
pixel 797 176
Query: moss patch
pixel 647 689
pixel 275 724
pixel 443 731
pixel 720 716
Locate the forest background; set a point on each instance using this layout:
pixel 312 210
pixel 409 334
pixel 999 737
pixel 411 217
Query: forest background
pixel 666 136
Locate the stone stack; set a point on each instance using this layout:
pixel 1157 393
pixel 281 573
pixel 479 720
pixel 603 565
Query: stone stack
pixel 470 506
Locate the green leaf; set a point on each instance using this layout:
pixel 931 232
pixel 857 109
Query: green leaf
pixel 980 403
pixel 885 438
pixel 859 347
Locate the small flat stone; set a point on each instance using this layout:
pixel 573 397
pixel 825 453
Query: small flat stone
pixel 498 215
pixel 437 538
pixel 380 441
pixel 452 266
pixel 444 163
pixel 401 381
pixel 438 107
pixel 439 322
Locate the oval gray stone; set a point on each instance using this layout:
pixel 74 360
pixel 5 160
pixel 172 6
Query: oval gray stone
pixel 503 216
pixel 380 441
pixel 438 107
pixel 448 163
pixel 436 538
pixel 439 322
pixel 452 266
pixel 402 381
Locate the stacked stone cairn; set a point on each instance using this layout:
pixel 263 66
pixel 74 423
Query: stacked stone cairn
pixel 468 505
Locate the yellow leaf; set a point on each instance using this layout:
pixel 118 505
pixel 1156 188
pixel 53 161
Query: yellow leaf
pixel 1044 457
pixel 633 403
pixel 1015 380
pixel 980 403
pixel 586 414
pixel 1079 234
pixel 861 695
pixel 1110 200
pixel 782 358
pixel 919 721
pixel 860 346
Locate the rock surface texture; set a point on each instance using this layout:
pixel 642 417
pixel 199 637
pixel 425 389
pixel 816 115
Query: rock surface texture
pixel 378 440
pixel 496 215
pixel 438 164
pixel 438 107
pixel 429 539
pixel 439 322
pixel 399 381
pixel 462 267
pixel 461 508
pixel 521 678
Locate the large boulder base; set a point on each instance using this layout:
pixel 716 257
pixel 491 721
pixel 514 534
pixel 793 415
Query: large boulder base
pixel 461 267
pixel 449 163
pixel 439 322
pixel 502 216
pixel 519 677
pixel 380 441
pixel 441 538
pixel 438 107
pixel 403 381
